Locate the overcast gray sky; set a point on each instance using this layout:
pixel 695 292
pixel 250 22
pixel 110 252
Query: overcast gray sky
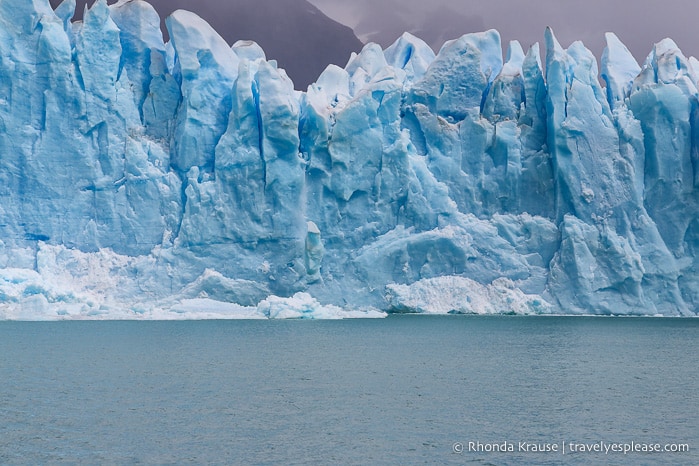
pixel 638 23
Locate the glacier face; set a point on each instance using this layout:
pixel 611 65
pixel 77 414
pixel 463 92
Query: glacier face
pixel 140 178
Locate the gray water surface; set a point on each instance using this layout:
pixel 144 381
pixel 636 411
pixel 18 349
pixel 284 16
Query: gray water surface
pixel 402 390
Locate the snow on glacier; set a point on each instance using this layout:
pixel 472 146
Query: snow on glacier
pixel 461 295
pixel 188 179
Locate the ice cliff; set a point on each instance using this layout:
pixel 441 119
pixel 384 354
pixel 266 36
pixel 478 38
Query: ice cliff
pixel 140 178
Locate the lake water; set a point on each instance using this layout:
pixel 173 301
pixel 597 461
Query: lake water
pixel 401 390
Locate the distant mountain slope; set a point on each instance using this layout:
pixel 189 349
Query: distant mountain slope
pixel 295 33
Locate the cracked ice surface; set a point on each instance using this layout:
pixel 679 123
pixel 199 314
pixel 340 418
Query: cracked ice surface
pixel 190 180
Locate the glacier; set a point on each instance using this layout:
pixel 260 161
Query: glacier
pixel 149 180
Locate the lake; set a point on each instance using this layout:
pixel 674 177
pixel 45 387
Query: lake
pixel 401 390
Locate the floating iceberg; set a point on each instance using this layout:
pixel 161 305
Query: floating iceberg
pixel 142 179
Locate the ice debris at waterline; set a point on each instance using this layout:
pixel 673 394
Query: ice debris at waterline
pixel 147 180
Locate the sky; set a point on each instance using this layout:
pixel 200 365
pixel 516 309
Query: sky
pixel 638 23
pixel 295 33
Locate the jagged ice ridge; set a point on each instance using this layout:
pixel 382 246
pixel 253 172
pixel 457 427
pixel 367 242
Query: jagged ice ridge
pixel 148 180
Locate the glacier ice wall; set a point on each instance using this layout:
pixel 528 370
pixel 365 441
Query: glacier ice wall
pixel 135 173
